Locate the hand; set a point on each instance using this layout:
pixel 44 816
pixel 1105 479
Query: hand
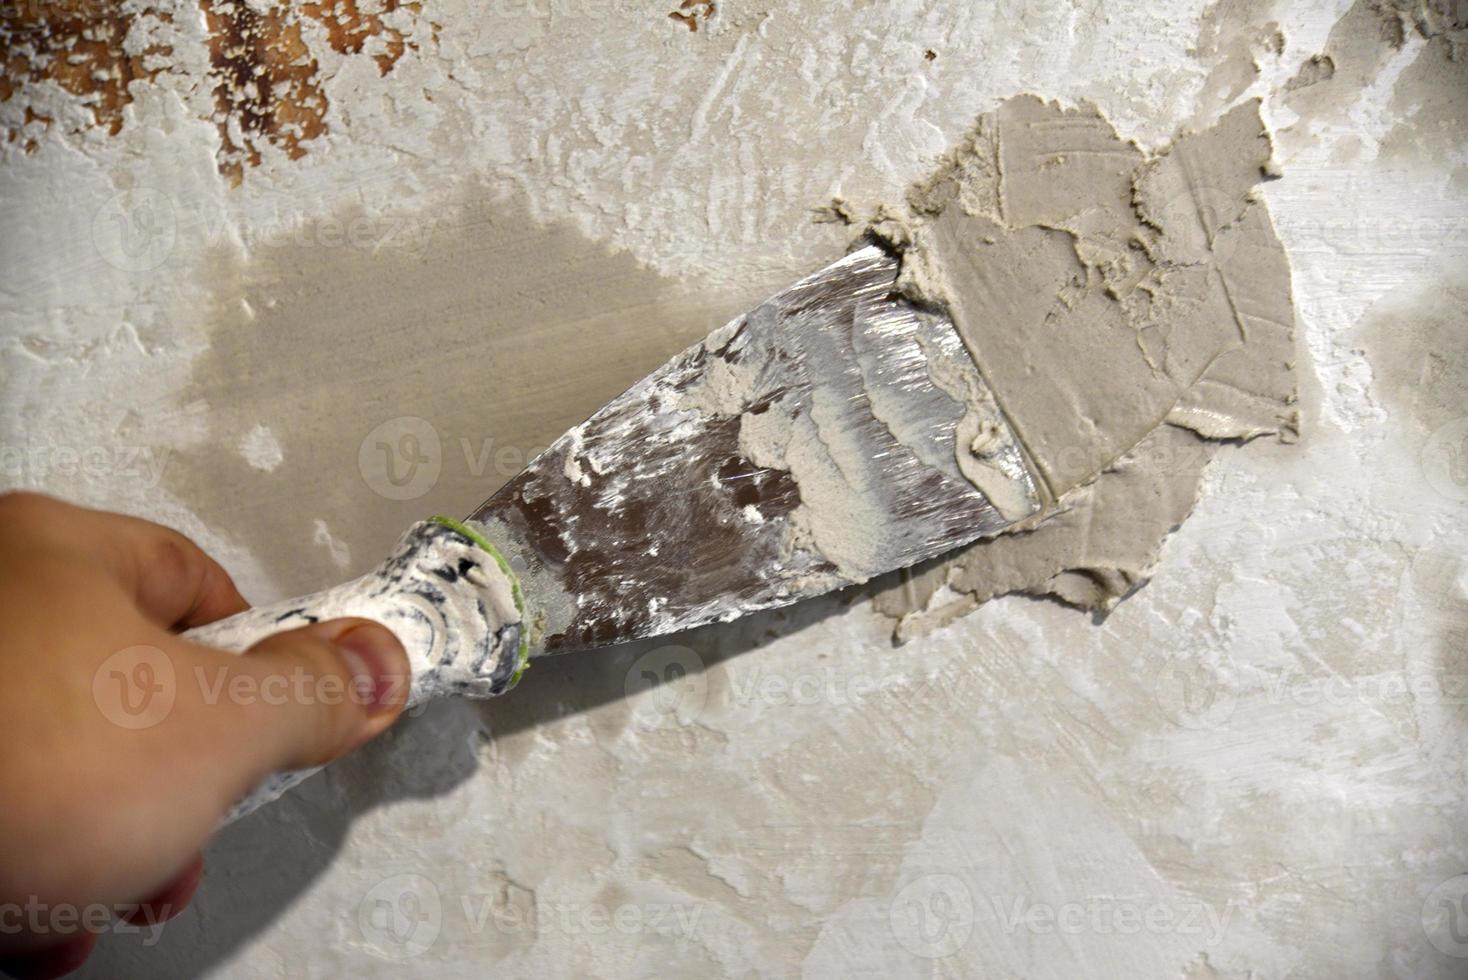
pixel 124 743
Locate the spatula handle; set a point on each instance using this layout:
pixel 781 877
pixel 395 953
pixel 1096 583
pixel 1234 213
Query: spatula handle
pixel 445 592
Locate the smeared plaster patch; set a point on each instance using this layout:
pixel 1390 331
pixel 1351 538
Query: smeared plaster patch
pixel 1360 47
pixel 1234 36
pixel 338 551
pixel 1417 345
pixel 1316 69
pixel 1096 547
pixel 260 449
pixel 1430 101
pixel 1123 306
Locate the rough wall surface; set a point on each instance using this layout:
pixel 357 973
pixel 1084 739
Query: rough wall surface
pixel 249 249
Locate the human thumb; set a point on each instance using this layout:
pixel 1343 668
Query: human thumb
pixel 346 681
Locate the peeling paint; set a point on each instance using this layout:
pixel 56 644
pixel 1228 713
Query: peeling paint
pixel 80 47
pixel 264 72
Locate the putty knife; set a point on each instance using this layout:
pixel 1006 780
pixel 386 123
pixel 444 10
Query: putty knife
pixel 810 444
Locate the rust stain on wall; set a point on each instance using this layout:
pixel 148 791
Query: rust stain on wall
pixel 348 29
pixel 78 45
pixel 693 12
pixel 267 86
pixel 264 76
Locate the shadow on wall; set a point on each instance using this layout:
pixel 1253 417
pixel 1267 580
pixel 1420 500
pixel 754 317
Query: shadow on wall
pixel 257 868
pixel 366 373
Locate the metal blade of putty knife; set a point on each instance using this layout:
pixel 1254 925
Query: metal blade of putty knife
pixel 808 445
pixel 833 433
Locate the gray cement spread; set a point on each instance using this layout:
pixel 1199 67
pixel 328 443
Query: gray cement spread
pixel 1127 309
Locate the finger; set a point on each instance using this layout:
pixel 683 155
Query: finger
pixel 171 899
pixel 172 581
pixel 301 698
pixel 53 961
pixel 369 661
pixel 180 732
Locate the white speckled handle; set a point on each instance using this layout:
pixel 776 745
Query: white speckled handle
pixel 445 593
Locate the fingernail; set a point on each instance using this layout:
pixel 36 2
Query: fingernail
pixel 372 655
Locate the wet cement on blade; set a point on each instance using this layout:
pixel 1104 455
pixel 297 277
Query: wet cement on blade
pixel 1129 309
